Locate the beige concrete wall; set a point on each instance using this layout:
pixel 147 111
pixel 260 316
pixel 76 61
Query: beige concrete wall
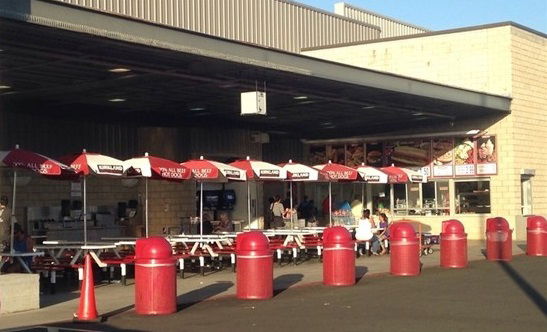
pixel 504 60
pixel 477 60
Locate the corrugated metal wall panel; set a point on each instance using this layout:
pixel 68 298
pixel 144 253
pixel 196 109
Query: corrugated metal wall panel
pixel 272 23
pixel 390 27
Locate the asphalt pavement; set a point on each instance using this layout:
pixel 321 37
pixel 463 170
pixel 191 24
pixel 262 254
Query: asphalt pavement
pixel 488 296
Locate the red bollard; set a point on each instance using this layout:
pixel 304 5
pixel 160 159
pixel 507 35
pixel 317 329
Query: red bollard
pixel 405 250
pixel 254 266
pixel 338 257
pixel 499 241
pixel 155 277
pixel 536 236
pixel 453 245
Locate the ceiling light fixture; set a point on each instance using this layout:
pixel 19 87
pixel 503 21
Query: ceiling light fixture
pixel 300 97
pixel 197 109
pixel 417 114
pixel 2 87
pixel 326 123
pixel 116 100
pixel 119 70
pixel 368 107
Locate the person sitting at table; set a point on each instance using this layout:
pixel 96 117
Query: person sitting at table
pixel 384 233
pixel 364 232
pixel 224 224
pixel 22 243
pixel 5 219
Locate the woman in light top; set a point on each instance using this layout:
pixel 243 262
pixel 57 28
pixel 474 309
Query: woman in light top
pixel 364 232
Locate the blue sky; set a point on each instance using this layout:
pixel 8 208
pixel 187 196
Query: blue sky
pixel 448 14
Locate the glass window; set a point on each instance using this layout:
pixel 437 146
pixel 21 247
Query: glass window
pixel 413 198
pixel 399 194
pixel 472 196
pixel 442 198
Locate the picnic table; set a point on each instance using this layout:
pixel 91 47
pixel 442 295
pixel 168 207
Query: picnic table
pixel 57 248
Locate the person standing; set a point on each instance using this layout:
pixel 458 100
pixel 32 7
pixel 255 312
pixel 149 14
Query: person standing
pixel 277 211
pixel 5 222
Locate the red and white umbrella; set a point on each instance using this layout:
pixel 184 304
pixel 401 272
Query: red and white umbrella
pixel 86 164
pixel 337 173
pixel 258 171
pixel 403 175
pixel 204 170
pixel 157 169
pixel 301 173
pixel 35 162
pixel 371 174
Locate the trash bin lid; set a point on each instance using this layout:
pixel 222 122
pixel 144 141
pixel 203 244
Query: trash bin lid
pixel 496 224
pixel 453 226
pixel 336 235
pixel 252 241
pixel 154 247
pixel 536 222
pixel 402 230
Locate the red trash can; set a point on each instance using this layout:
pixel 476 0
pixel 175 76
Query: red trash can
pixel 254 266
pixel 536 236
pixel 155 277
pixel 499 241
pixel 338 257
pixel 453 245
pixel 405 250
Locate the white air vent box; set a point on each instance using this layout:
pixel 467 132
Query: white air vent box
pixel 253 103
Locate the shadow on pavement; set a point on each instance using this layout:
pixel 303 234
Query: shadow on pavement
pixel 525 286
pixel 360 272
pixel 285 281
pixel 202 294
pixel 522 247
pixel 70 326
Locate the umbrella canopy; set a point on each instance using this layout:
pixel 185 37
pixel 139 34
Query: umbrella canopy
pixel 87 163
pixel 403 175
pixel 19 158
pixel 337 172
pixel 260 170
pixel 372 175
pixel 157 169
pixel 210 171
pixel 301 172
pixel 40 164
pixel 204 170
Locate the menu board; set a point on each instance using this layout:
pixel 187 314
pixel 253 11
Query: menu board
pixel 486 155
pixel 336 153
pixel 464 157
pixel 355 154
pixel 442 151
pixel 318 154
pixel 374 154
pixel 409 153
pixel 438 157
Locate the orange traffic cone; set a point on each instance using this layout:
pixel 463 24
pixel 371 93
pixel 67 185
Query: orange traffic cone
pixel 87 311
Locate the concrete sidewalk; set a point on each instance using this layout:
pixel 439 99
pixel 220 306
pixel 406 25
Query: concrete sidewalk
pixel 115 298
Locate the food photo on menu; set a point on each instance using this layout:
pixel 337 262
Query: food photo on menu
pixel 374 154
pixel 486 150
pixel 355 154
pixel 318 154
pixel 336 153
pixel 442 150
pixel 464 152
pixel 414 153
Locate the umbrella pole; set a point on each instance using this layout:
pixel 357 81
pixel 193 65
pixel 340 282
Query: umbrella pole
pixel 146 205
pixel 12 217
pixel 290 197
pixel 249 203
pixel 201 209
pixel 392 199
pixel 330 204
pixel 363 195
pixel 85 210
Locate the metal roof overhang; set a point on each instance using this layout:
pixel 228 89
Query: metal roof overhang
pixel 56 59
